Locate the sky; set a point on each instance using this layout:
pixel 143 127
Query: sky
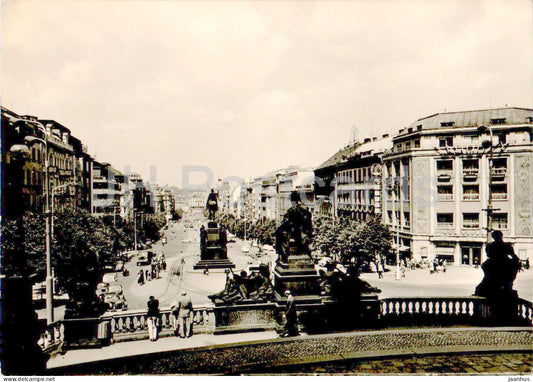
pixel 240 88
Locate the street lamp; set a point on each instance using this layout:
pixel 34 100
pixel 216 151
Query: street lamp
pixel 49 278
pixel 485 145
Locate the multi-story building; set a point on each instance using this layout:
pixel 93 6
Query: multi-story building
pixel 443 170
pixel 348 184
pixel 106 194
pixel 295 179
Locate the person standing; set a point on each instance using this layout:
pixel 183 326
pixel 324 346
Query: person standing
pixel 291 319
pixel 140 280
pixel 185 315
pixel 153 318
pixel 174 310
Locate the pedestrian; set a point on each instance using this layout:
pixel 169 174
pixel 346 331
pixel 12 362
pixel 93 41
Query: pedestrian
pixel 380 270
pixel 153 318
pixel 140 280
pixel 148 275
pixel 185 315
pixel 174 310
pixel 291 319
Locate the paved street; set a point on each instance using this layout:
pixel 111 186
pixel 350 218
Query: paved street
pixel 183 243
pixel 456 281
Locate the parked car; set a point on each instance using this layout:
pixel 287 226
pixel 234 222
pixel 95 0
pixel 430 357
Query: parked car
pixel 110 278
pixel 143 259
pixel 119 267
pixel 267 247
pixel 116 300
pixel 245 249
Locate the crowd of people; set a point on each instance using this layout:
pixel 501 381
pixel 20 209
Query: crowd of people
pixel 157 265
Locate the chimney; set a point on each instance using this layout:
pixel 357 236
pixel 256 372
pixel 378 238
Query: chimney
pixel 385 136
pixel 374 138
pixel 367 140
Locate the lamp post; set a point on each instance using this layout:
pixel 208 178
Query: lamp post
pixel 488 144
pixel 49 277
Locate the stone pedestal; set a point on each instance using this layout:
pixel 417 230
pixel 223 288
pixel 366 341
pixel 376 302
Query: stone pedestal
pixel 298 274
pixel 213 252
pixel 245 316
pixel 82 333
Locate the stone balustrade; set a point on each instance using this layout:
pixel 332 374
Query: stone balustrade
pixel 53 337
pixel 131 325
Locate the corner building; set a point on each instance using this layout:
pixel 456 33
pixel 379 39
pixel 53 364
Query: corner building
pixel 436 184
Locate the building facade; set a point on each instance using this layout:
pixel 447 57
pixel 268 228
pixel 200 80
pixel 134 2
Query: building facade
pixel 441 173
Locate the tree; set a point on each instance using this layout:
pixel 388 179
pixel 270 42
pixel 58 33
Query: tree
pixel 357 243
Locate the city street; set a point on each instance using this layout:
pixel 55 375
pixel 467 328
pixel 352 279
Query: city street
pixel 183 243
pixel 456 281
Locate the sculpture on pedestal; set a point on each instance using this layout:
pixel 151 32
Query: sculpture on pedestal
pixel 294 235
pixel 500 269
pixel 212 204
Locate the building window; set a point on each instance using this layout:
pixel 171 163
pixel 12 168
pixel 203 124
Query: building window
pixel 445 192
pixel 417 143
pixel 447 124
pixel 499 221
pixel 497 121
pixel 499 191
pixel 445 220
pixel 445 141
pixel 445 165
pixel 471 192
pixel 470 220
pixel 406 219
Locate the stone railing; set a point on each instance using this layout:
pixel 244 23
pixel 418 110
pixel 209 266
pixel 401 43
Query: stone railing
pixel 52 338
pixel 525 310
pixel 131 325
pixel 445 310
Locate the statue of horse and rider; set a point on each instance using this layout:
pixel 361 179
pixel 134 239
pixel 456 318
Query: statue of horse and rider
pixel 212 204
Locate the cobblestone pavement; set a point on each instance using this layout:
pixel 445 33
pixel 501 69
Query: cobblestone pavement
pixel 450 364
pixel 269 356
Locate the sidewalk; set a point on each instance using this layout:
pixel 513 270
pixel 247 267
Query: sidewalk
pixel 133 348
pixel 263 352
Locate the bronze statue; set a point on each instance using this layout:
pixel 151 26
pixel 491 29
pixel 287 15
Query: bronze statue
pixel 500 268
pixel 212 204
pixel 294 235
pixel 244 287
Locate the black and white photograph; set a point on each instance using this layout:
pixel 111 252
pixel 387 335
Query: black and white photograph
pixel 266 188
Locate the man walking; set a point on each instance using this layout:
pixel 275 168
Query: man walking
pixel 185 315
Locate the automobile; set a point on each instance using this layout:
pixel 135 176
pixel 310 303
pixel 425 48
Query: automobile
pixel 143 259
pixel 232 241
pixel 267 247
pixel 110 278
pixel 245 249
pixel 116 300
pixel 231 236
pixel 254 244
pixel 101 289
pixel 327 263
pixel 108 267
pixel 186 241
pixel 119 267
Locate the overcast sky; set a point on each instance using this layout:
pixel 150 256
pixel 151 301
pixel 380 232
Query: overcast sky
pixel 246 87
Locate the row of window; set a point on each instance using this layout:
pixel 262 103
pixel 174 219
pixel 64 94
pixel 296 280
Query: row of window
pixel 469 164
pixel 359 175
pixel 471 220
pixel 445 220
pixel 471 192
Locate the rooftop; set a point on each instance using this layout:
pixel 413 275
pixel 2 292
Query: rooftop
pixel 473 118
